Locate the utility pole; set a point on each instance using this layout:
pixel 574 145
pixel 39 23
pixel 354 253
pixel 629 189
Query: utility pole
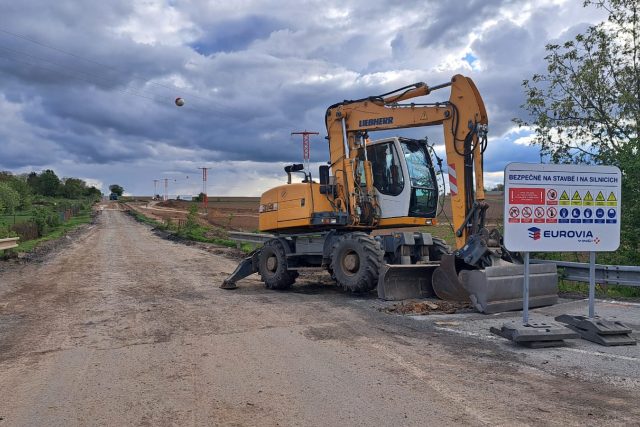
pixel 166 190
pixel 205 200
pixel 306 150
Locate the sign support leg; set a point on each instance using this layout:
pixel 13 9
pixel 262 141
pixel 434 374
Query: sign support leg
pixel 594 328
pixel 535 334
pixel 592 285
pixel 525 298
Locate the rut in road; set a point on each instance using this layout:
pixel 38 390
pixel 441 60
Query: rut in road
pixel 125 328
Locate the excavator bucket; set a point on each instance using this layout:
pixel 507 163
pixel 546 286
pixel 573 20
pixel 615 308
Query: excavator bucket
pixel 497 288
pixel 400 281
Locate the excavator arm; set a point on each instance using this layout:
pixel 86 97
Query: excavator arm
pixel 481 269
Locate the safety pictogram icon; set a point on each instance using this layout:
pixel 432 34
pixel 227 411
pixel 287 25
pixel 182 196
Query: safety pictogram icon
pixel 552 194
pixel 552 212
pixel 514 212
pixel 588 199
pixel 539 212
pixel 576 200
pixel 526 212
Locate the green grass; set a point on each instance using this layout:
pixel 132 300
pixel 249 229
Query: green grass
pixel 602 291
pixel 56 233
pixel 442 231
pixel 146 220
pixel 8 220
pixel 196 234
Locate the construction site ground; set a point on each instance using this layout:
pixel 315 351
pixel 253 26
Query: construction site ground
pixel 122 327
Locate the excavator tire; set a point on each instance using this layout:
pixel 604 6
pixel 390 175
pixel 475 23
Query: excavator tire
pixel 356 260
pixel 272 266
pixel 438 249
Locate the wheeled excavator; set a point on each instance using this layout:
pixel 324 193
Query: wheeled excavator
pixel 365 217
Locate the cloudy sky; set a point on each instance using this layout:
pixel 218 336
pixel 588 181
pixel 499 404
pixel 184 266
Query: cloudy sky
pixel 87 87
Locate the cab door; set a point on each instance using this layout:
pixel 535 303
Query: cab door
pixel 390 178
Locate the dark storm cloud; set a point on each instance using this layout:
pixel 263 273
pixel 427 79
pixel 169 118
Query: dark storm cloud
pixel 93 87
pixel 451 21
pixel 236 34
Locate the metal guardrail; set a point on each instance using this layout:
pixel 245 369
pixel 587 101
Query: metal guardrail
pixel 626 275
pixel 254 238
pixel 9 243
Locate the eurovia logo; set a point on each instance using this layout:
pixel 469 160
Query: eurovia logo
pixel 534 233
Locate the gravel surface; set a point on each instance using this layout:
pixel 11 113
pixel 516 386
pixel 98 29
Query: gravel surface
pixel 123 327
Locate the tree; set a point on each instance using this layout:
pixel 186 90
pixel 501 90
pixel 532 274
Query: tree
pixel 73 188
pixel 19 184
pixel 586 107
pixel 9 198
pixel 48 183
pixel 92 193
pixel 116 189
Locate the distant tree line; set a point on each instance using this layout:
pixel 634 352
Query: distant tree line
pixel 18 192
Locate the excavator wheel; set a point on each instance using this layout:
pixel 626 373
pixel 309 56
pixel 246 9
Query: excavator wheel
pixel 356 259
pixel 272 266
pixel 438 249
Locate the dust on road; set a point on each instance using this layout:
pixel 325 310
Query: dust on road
pixel 125 328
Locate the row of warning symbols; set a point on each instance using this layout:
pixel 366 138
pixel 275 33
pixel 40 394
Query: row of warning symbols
pixel 581 198
pixel 559 215
pixel 565 197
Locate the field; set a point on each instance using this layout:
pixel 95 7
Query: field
pixel 241 213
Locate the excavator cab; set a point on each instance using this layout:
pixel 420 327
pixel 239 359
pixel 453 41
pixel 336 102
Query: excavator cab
pixel 403 177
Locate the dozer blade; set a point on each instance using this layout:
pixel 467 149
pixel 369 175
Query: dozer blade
pixel 498 288
pixel 399 281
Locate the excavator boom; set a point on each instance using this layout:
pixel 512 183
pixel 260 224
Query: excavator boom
pixel 480 270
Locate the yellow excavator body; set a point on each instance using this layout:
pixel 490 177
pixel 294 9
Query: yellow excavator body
pixel 391 183
pixel 292 206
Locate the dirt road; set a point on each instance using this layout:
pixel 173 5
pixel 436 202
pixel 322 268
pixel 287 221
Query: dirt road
pixel 125 328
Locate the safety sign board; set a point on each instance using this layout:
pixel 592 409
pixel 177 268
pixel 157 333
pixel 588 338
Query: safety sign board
pixel 552 208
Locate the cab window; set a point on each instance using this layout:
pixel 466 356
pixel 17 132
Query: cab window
pixel 385 166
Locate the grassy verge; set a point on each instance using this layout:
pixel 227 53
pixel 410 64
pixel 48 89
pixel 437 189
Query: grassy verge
pixel 197 233
pixel 57 232
pixel 602 291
